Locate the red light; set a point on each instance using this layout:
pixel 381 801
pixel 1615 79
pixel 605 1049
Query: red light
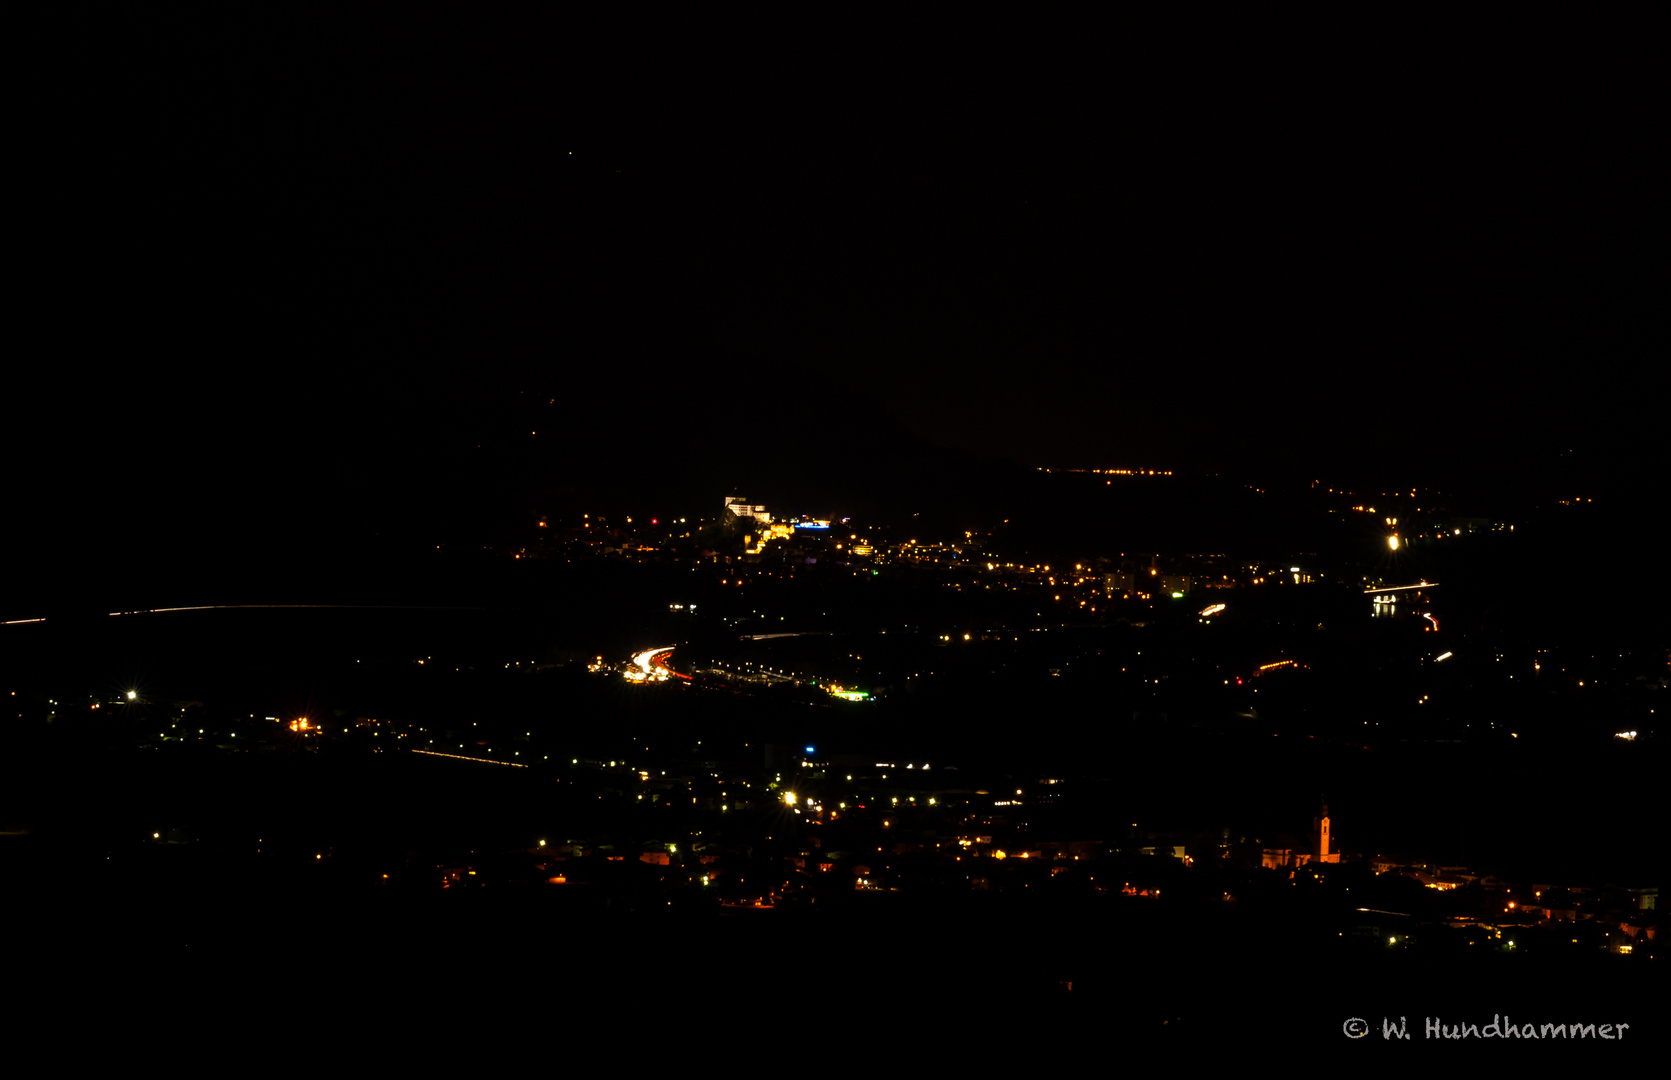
pixel 653 521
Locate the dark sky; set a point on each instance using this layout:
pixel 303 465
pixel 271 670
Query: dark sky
pixel 294 254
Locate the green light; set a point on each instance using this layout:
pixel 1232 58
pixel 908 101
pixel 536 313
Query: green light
pixel 1177 596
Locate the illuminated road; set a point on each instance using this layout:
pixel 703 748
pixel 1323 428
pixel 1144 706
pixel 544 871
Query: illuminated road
pixel 651 666
pixel 1402 588
pixel 466 757
pixel 646 661
pixel 269 607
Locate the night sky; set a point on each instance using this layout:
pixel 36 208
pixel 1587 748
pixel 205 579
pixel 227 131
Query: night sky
pixel 295 271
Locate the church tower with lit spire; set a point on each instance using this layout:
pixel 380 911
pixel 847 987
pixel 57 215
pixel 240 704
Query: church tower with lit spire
pixel 1320 839
pixel 1322 847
